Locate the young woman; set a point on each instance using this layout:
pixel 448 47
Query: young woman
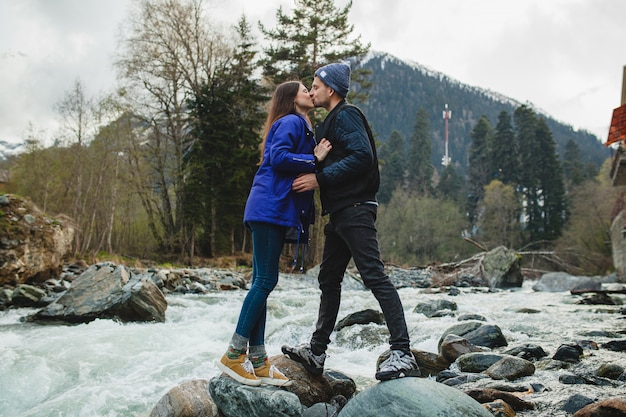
pixel 288 149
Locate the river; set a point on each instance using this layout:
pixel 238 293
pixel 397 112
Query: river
pixel 106 368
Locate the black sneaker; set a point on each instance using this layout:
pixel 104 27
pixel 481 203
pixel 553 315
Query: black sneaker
pixel 398 365
pixel 313 363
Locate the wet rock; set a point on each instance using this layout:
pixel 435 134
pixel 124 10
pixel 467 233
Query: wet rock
pixel 610 371
pixel 477 361
pixel 499 408
pixel 485 395
pixel 412 397
pixel 432 307
pixel 235 400
pixel 311 389
pixel 454 346
pixel 428 362
pixel 613 407
pixel 361 317
pixel 107 291
pixel 469 316
pixel 510 368
pixel 615 345
pixel 478 334
pixel 529 352
pixel 25 295
pixel 570 353
pixel 189 399
pixel 574 403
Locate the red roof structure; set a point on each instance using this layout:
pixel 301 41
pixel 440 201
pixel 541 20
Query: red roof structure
pixel 617 131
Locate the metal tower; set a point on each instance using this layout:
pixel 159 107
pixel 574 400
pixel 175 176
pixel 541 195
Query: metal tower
pixel 447 114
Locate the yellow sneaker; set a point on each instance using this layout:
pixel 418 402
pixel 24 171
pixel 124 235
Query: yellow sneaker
pixel 270 375
pixel 240 369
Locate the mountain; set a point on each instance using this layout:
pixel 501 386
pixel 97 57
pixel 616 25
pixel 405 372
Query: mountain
pixel 8 149
pixel 401 87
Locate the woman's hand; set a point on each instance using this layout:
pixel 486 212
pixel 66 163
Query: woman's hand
pixel 322 149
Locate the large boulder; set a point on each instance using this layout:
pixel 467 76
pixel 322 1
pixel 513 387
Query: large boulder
pixel 503 268
pixel 413 397
pixel 32 244
pixel 107 291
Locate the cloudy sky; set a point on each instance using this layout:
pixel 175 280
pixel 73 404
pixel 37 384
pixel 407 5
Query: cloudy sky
pixel 565 57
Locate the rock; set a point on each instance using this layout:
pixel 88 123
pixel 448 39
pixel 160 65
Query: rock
pixel 486 395
pixel 189 399
pixel 32 244
pixel 107 291
pixel 428 362
pixel 610 371
pixel 561 281
pixel 361 317
pixel 499 408
pixel 454 346
pixel 510 368
pixel 312 389
pixel 570 353
pixel 608 408
pixel 477 333
pixel 431 307
pixel 25 295
pixel 477 361
pixel 529 352
pixel 502 268
pixel 412 397
pixel 615 345
pixel 236 400
pixel 471 316
pixel 575 403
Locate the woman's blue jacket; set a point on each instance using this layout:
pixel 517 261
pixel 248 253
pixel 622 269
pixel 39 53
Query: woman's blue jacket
pixel 288 152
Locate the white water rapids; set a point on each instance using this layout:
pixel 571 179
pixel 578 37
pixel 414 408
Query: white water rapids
pixel 105 368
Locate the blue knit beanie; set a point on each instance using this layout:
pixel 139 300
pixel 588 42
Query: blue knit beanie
pixel 336 76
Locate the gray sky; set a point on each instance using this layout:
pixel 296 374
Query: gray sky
pixel 565 57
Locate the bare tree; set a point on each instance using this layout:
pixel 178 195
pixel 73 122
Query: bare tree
pixel 168 52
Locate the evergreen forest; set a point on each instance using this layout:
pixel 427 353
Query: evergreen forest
pixel 160 168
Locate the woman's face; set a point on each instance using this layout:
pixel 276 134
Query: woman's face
pixel 303 101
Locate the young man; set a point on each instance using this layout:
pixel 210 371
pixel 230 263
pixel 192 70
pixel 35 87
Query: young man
pixel 348 180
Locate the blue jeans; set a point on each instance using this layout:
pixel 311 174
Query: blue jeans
pixel 267 245
pixel 351 233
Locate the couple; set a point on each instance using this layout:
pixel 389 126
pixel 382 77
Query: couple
pixel 344 166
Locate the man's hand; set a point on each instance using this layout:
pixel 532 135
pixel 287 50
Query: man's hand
pixel 305 182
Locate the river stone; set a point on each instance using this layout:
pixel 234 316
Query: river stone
pixel 189 399
pixel 107 291
pixel 413 397
pixel 237 400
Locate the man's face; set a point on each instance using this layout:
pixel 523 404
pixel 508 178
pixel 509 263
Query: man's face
pixel 320 93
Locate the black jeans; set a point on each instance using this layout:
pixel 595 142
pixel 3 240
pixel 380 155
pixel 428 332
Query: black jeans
pixel 351 233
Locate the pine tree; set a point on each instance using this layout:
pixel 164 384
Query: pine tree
pixel 552 187
pixel 504 151
pixel 315 34
pixel 541 178
pixel 573 168
pixel 419 167
pixel 451 185
pixel 526 135
pixel 391 157
pixel 479 164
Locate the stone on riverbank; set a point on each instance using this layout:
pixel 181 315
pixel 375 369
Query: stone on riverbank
pixel 189 399
pixel 107 291
pixel 413 397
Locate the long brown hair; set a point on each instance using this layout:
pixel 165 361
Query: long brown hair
pixel 282 104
